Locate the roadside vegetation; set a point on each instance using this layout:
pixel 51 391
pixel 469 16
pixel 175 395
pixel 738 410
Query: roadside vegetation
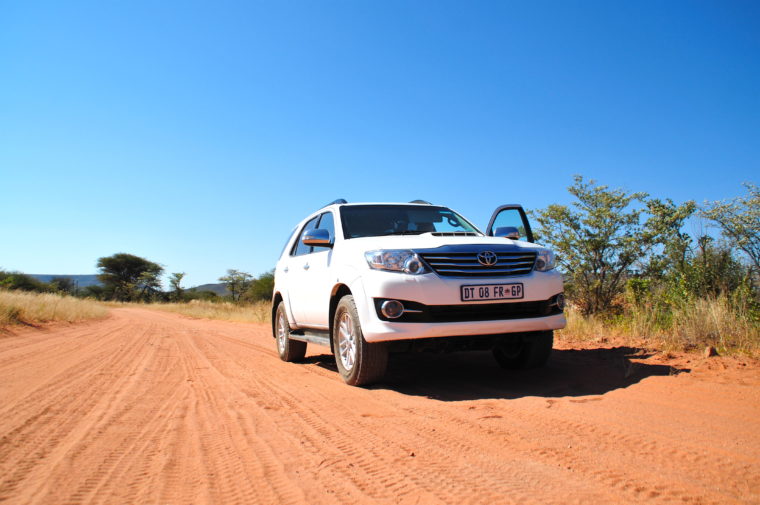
pixel 256 312
pixel 631 271
pixel 691 325
pixel 674 276
pixel 127 279
pixel 19 307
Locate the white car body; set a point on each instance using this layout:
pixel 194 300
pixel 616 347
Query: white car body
pixel 308 285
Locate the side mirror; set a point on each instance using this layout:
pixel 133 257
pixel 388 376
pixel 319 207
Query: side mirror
pixel 318 237
pixel 509 232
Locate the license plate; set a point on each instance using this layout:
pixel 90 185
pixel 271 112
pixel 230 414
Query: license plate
pixel 480 292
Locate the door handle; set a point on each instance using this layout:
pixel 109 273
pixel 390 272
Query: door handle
pixel 285 269
pixel 306 266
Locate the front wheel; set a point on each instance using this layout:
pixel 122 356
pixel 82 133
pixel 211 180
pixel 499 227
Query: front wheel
pixel 359 362
pixel 532 350
pixel 289 350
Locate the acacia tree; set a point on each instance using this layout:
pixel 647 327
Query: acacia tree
pixel 739 220
pixel 127 277
pixel 148 284
pixel 174 281
pixel 237 282
pixel 601 238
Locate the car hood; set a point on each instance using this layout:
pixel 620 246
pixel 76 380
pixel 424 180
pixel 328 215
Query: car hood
pixel 430 241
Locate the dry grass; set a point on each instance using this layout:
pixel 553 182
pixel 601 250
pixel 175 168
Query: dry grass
pixel 586 328
pixel 725 325
pixel 18 307
pixel 693 325
pixel 258 312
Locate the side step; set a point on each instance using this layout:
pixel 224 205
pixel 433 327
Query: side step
pixel 313 337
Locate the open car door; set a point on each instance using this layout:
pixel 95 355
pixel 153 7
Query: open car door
pixel 510 221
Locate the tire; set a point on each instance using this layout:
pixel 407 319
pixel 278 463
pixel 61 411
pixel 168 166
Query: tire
pixel 288 349
pixel 359 362
pixel 531 351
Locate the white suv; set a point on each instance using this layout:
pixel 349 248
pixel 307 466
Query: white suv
pixel 367 279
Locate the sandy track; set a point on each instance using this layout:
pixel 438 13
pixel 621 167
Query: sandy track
pixel 149 407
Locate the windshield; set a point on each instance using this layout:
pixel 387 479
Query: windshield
pixel 376 220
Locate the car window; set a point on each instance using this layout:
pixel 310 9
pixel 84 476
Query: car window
pixel 511 217
pixel 301 248
pixel 290 236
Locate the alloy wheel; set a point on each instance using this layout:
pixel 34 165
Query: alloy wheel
pixel 282 333
pixel 347 341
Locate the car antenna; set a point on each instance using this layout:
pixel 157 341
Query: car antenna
pixel 421 201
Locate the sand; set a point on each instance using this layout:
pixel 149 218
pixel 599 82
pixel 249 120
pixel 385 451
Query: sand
pixel 152 407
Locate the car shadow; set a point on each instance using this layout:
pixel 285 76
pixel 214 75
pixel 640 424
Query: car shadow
pixel 475 375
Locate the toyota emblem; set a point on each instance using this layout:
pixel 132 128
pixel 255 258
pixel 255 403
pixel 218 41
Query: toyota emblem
pixel 487 258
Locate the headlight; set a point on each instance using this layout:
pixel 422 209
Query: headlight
pixel 544 260
pixel 396 261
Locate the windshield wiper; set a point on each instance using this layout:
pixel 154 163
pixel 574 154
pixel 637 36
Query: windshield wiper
pixel 407 232
pixel 456 234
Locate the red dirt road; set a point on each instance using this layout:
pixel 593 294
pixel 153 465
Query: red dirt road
pixel 151 407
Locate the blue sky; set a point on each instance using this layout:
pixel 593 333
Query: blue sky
pixel 196 134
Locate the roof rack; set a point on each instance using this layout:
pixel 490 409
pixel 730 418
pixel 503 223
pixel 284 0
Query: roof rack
pixel 338 201
pixel 421 201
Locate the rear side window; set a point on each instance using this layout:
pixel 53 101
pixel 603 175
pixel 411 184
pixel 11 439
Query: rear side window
pixel 301 248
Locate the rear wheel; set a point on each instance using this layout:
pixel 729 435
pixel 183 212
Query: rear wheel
pixel 289 350
pixel 532 350
pixel 359 362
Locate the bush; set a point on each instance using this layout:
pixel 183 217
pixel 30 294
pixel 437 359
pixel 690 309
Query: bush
pixel 23 282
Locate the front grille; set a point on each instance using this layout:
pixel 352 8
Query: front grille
pixel 466 264
pixel 488 312
pixel 421 313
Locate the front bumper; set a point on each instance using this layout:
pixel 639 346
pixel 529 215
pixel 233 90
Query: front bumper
pixel 433 290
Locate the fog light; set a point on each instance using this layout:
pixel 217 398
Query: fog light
pixel 413 265
pixel 559 301
pixel 392 309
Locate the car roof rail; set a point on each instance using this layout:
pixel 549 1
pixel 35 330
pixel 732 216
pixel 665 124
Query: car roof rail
pixel 334 202
pixel 425 202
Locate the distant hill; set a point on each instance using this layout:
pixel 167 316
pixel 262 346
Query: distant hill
pixel 82 280
pixel 219 289
pixel 92 280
